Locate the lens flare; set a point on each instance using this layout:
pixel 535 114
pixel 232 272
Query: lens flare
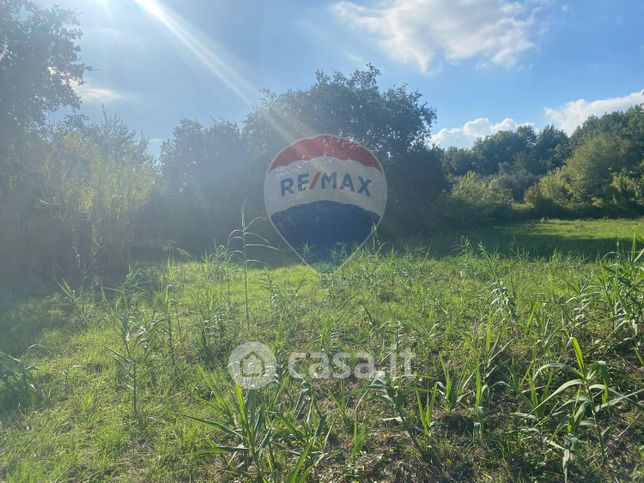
pixel 210 55
pixel 220 64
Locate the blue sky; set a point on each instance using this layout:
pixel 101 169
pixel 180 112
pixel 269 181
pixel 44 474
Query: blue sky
pixel 484 65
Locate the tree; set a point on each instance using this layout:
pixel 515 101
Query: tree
pixel 605 173
pixel 516 158
pixel 59 180
pixel 551 149
pixel 389 122
pixel 458 161
pixel 39 66
pixel 204 172
pixel 83 183
pixel 39 63
pixel 394 124
pixel 607 165
pixel 503 148
pixel 550 196
pixel 475 199
pixel 628 124
pixel 595 163
pixel 112 137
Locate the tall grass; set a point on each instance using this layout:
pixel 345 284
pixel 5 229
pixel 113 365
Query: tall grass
pixel 524 368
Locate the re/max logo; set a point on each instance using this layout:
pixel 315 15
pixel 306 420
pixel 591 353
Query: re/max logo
pixel 303 182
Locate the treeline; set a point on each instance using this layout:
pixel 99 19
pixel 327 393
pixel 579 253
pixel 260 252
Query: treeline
pixel 597 171
pixel 78 197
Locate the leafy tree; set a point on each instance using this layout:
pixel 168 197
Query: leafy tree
pixel 551 195
pixel 628 125
pixel 112 138
pixel 39 65
pixel 605 173
pixel 414 188
pixel 475 199
pixel 60 180
pixel 205 161
pixel 394 124
pixel 551 149
pixel 389 123
pixel 82 183
pixel 517 158
pixel 595 163
pixel 203 184
pixel 503 148
pixel 39 62
pixel 516 179
pixel 28 230
pixel 458 161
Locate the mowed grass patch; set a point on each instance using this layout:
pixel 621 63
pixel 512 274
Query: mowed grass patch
pixel 526 366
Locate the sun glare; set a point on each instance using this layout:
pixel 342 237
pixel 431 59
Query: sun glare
pixel 195 42
pixel 220 63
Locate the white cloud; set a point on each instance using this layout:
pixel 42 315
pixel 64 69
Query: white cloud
pixel 567 117
pixel 94 94
pixel 464 137
pixel 419 31
pixel 574 113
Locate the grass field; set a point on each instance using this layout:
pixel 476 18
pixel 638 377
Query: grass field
pixel 527 366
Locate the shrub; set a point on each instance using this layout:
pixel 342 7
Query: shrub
pixel 474 200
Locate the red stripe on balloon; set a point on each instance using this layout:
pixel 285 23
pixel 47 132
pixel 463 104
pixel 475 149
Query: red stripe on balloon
pixel 325 145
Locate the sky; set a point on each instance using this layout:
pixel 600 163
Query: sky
pixel 484 65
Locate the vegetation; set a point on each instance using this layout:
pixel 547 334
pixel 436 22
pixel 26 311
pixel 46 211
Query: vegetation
pixel 128 280
pixel 80 199
pixel 525 367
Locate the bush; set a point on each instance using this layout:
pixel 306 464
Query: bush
pixel 475 200
pixel 603 177
pixel 65 205
pixel 551 195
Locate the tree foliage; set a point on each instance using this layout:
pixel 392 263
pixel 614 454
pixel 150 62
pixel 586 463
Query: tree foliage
pixel 95 184
pixel 38 45
pixel 208 173
pixel 605 173
pixel 393 123
pixel 202 186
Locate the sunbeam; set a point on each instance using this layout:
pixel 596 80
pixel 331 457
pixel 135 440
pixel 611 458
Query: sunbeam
pixel 211 56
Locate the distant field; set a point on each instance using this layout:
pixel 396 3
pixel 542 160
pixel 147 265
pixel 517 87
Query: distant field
pixel 527 363
pixel 582 237
pixel 619 229
pixel 574 231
